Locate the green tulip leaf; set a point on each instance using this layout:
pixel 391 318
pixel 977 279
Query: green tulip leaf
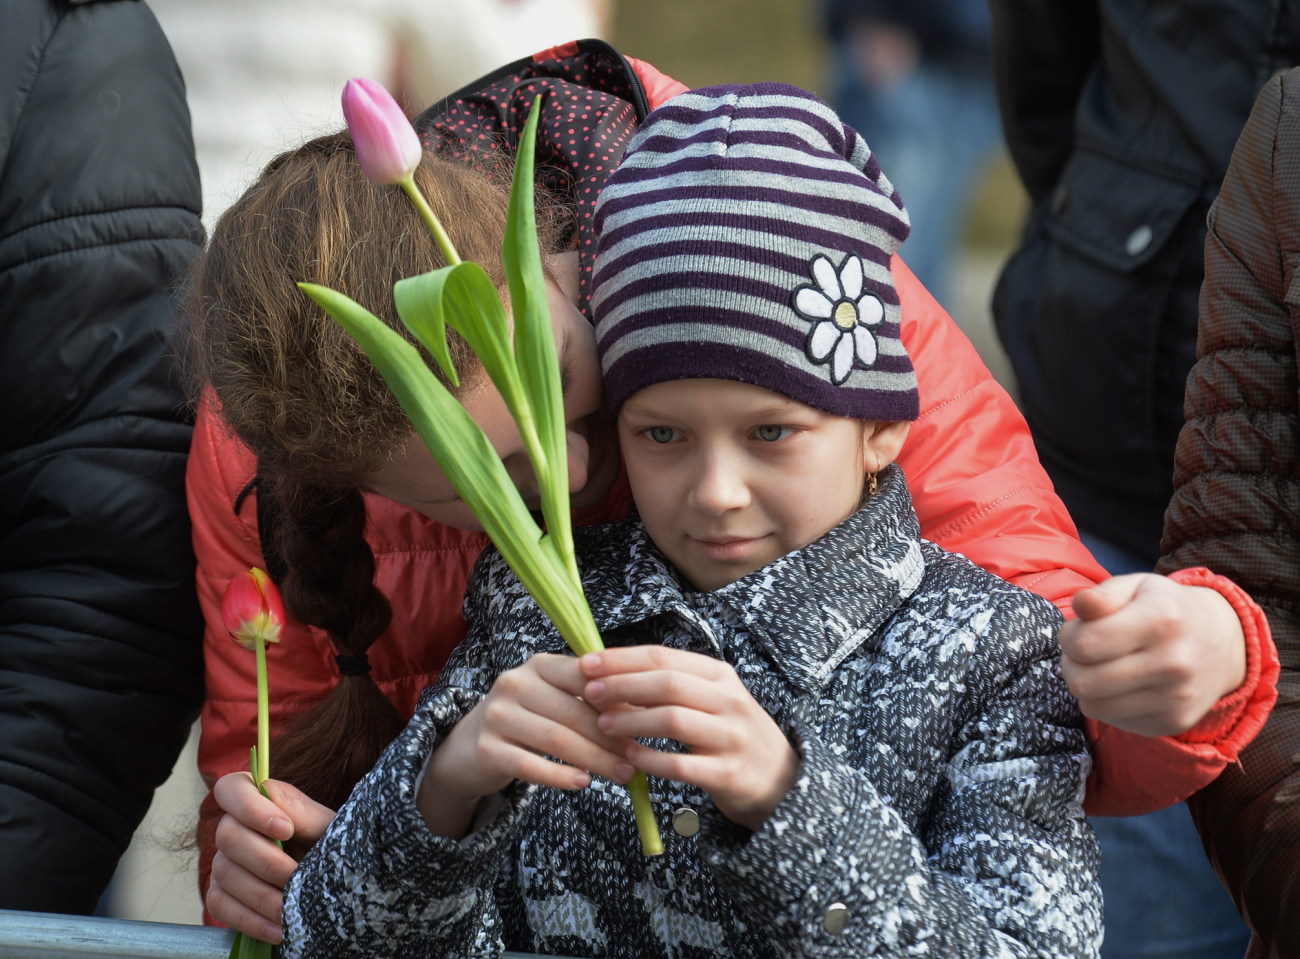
pixel 420 308
pixel 463 297
pixel 246 947
pixel 525 369
pixel 539 366
pixel 464 453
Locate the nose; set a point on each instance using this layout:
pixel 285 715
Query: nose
pixel 520 469
pixel 720 484
pixel 579 455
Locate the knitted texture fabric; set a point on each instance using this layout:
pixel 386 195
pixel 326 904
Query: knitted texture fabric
pixel 747 235
pixel 937 807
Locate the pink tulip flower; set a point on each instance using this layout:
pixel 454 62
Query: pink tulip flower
pixel 386 143
pixel 252 609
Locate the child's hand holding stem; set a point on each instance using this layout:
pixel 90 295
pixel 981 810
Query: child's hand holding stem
pixel 531 713
pixel 587 714
pixel 250 871
pixel 736 752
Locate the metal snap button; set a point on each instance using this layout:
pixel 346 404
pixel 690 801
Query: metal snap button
pixel 836 918
pixel 686 822
pixel 1139 240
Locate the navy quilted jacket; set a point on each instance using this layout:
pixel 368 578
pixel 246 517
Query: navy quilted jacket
pixel 937 808
pixel 1120 116
pixel 101 667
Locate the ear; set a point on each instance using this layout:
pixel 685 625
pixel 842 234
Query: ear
pixel 881 443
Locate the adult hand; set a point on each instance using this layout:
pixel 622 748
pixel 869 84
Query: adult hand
pixel 738 754
pixel 1150 655
pixel 531 713
pixel 249 871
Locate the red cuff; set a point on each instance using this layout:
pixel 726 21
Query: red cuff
pixel 1236 718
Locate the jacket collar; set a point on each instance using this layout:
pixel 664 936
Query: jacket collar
pixel 808 610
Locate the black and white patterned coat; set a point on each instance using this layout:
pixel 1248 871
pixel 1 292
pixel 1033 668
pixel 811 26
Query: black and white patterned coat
pixel 937 810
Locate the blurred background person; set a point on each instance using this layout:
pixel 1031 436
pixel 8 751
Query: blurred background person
pixel 915 78
pixel 264 73
pixel 1120 117
pixel 101 671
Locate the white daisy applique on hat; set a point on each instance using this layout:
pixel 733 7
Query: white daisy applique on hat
pixel 841 313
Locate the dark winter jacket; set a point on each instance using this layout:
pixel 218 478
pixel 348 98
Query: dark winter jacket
pixel 937 810
pixel 1120 116
pixel 100 656
pixel 1237 505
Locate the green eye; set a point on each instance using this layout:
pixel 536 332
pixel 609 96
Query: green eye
pixel 661 434
pixel 770 434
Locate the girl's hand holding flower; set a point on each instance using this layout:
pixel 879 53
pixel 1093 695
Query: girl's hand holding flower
pixel 250 870
pixel 736 751
pixel 530 713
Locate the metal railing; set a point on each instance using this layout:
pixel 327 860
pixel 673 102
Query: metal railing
pixel 42 935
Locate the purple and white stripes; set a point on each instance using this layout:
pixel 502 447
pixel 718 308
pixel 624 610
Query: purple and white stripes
pixel 747 235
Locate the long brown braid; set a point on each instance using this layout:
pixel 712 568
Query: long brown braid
pixel 296 389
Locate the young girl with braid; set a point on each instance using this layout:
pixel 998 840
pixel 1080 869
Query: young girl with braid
pixel 863 742
pixel 295 388
pixel 303 464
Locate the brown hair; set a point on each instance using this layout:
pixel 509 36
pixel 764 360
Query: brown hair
pixel 296 388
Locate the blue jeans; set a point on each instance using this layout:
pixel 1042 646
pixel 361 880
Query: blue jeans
pixel 933 133
pixel 1162 898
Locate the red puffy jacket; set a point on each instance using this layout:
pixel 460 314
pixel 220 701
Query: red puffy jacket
pixel 974 476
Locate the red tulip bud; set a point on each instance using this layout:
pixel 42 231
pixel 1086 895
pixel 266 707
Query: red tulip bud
pixel 386 143
pixel 252 609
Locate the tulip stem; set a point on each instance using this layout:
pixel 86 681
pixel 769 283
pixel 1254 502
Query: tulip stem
pixel 431 221
pixel 652 843
pixel 243 946
pixel 263 770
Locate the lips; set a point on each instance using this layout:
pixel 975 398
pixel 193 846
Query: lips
pixel 725 548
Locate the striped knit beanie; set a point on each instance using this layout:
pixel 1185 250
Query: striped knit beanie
pixel 746 235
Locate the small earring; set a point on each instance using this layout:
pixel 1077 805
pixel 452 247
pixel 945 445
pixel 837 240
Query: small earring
pixel 871 484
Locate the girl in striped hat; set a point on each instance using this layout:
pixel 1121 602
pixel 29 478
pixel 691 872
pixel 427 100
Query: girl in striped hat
pixel 862 743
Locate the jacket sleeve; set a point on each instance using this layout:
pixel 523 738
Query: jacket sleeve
pixel 1006 864
pixel 980 490
pixel 1236 496
pixel 971 466
pixel 100 668
pixel 425 895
